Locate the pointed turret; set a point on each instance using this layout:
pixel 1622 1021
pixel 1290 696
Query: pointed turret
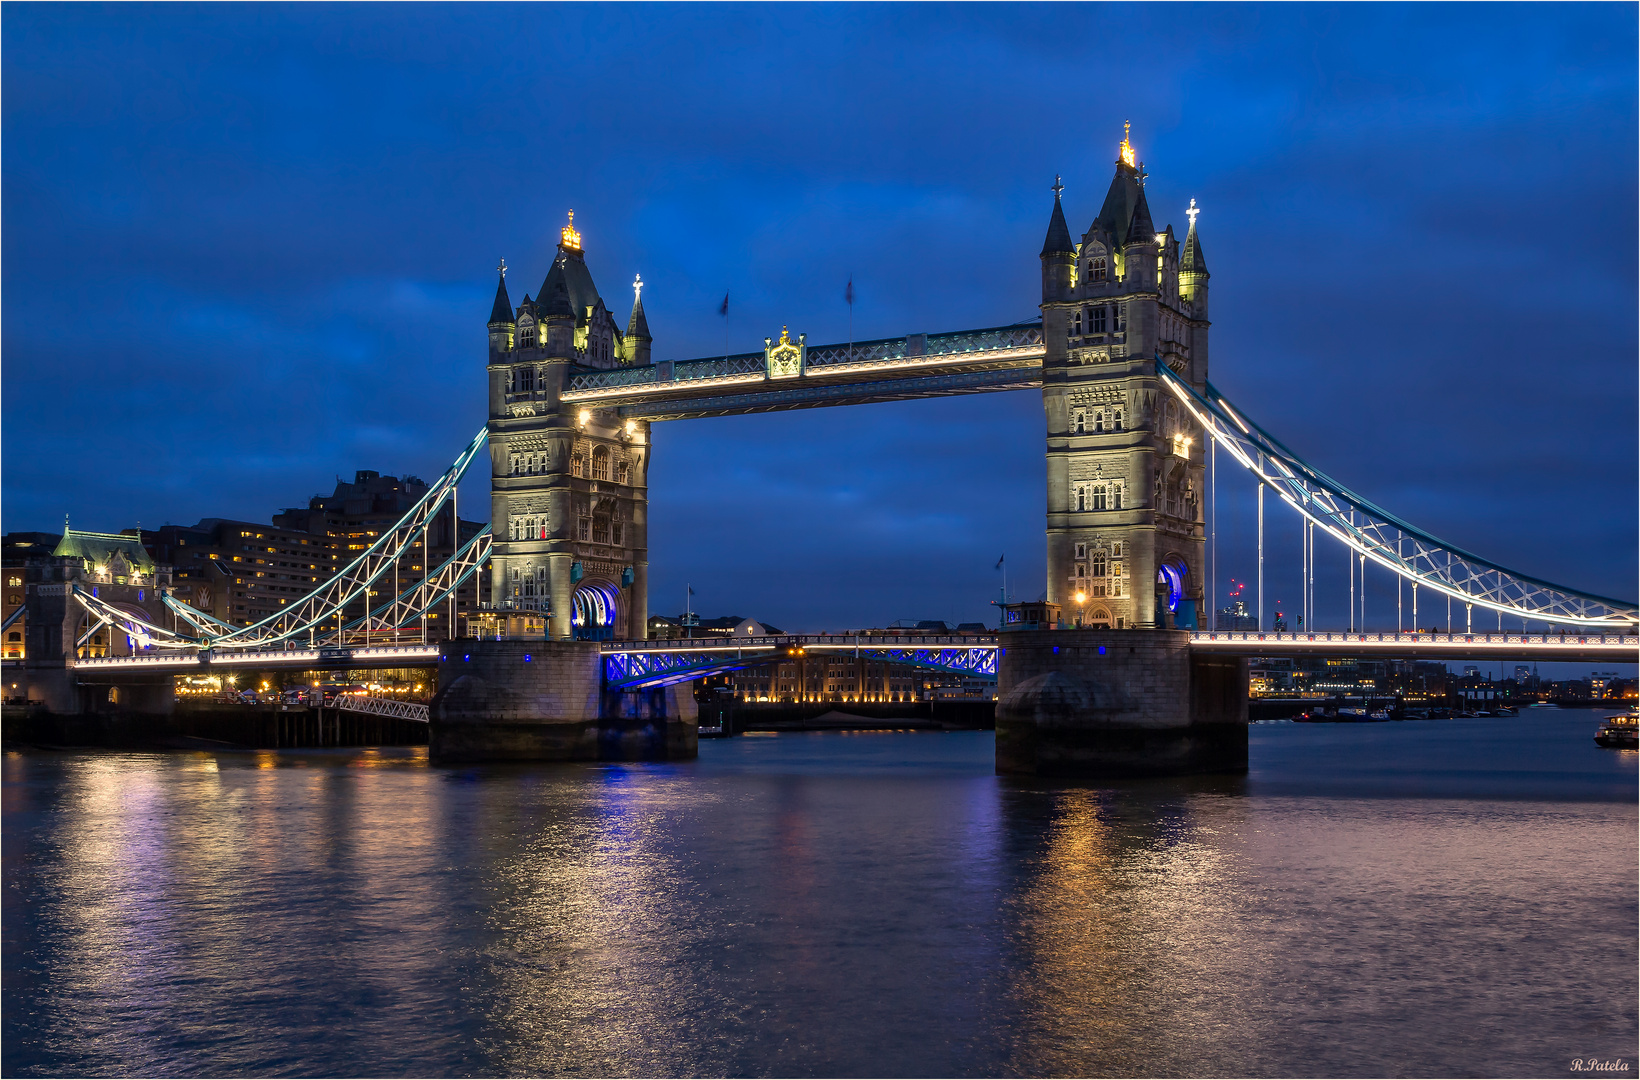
pixel 1193 273
pixel 635 344
pixel 1058 253
pixel 501 324
pixel 1141 229
pixel 501 312
pixel 557 312
pixel 1192 261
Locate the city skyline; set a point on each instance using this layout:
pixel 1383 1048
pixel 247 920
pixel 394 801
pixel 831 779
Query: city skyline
pixel 1366 220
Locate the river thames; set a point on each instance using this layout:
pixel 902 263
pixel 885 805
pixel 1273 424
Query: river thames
pixel 1426 898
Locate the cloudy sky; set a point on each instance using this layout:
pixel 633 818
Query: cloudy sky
pixel 248 250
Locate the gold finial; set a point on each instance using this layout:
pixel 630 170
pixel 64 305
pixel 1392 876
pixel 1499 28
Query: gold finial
pixel 785 338
pixel 568 237
pixel 637 283
pixel 1126 149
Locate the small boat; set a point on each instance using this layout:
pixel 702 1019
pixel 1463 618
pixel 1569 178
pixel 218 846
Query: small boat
pixel 1619 732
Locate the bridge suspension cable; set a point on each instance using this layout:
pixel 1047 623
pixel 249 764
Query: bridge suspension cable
pixel 1375 534
pixel 326 605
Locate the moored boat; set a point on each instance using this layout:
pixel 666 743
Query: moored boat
pixel 1619 732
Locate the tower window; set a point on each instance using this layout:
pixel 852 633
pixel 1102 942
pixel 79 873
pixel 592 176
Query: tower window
pixel 1076 323
pixel 1098 269
pixel 1099 564
pixel 1082 497
pixel 1101 493
pixel 1120 311
pixel 1098 420
pixel 1081 423
pixel 622 471
pixel 1099 319
pixel 600 464
pixel 1081 551
pixel 577 466
pixel 1116 419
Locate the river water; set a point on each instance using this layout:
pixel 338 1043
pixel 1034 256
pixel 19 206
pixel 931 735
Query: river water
pixel 1437 898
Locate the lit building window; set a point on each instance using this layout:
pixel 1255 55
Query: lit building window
pixel 1099 269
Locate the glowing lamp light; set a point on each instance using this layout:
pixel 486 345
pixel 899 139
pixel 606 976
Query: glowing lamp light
pixel 1081 598
pixel 586 415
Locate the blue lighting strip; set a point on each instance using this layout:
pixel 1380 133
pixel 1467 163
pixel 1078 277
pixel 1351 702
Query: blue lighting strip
pixel 647 668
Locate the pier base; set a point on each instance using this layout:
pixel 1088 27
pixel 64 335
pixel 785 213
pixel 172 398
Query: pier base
pixel 517 700
pixel 1110 704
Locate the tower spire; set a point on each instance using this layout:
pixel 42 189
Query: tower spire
pixel 501 311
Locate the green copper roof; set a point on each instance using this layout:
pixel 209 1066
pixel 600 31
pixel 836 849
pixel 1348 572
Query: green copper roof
pixel 100 549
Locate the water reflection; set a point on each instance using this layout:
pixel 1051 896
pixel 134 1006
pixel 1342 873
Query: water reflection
pixel 850 907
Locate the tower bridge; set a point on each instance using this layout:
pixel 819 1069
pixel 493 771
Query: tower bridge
pixel 1132 428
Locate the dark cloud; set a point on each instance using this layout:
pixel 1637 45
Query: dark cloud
pixel 249 248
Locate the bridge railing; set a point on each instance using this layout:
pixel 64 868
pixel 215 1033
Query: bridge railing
pixel 375 706
pixel 1422 638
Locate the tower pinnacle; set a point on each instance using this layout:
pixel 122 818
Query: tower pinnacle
pixel 1125 150
pixel 568 236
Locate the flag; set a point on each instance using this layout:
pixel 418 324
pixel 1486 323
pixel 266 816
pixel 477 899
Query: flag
pixel 848 294
pixel 998 566
pixel 724 309
pixel 691 590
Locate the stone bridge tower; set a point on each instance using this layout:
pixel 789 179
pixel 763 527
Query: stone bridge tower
pixel 1125 463
pixel 569 485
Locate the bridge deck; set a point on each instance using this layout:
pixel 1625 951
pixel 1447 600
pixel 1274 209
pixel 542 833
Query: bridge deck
pixel 1615 648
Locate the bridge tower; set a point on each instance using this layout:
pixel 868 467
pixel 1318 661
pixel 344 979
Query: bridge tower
pixel 1125 464
pixel 569 486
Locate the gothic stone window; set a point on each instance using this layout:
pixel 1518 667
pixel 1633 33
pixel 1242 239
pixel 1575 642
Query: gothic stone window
pixel 1082 497
pixel 513 462
pixel 1076 323
pixel 1098 268
pixel 600 463
pixel 1121 317
pixel 583 528
pixel 1081 551
pixel 577 465
pixel 1099 319
pixel 524 380
pixel 623 469
pixel 1080 425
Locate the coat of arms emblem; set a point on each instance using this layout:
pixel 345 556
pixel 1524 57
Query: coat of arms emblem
pixel 785 357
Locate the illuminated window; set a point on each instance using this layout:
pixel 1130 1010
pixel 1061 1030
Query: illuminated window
pixel 600 463
pixel 577 466
pixel 1099 269
pixel 600 530
pixel 623 470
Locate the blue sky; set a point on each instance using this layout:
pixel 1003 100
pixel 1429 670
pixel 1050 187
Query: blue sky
pixel 249 249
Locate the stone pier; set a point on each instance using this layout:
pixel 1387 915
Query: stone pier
pixel 516 700
pixel 1117 703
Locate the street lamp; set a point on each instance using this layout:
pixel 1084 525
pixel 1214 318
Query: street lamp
pixel 1081 599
